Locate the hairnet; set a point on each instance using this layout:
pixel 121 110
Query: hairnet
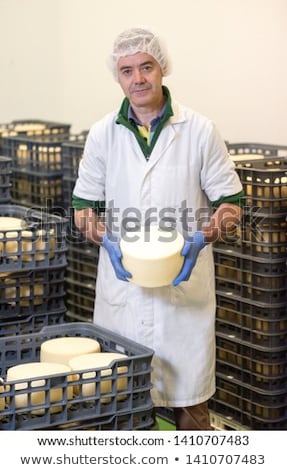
pixel 135 40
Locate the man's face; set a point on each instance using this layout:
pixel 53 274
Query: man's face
pixel 140 77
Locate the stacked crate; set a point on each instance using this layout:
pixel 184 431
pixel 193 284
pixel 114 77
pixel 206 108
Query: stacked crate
pixel 251 287
pixel 32 128
pixel 96 403
pixel 32 269
pixel 33 257
pixel 82 255
pixel 37 178
pixel 5 179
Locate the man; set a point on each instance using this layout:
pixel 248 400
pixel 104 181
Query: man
pixel 154 155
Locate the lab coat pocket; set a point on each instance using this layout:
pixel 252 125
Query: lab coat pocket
pixel 199 288
pixel 109 288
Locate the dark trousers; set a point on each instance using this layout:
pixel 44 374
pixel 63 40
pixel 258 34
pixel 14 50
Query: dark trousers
pixel 195 418
pixel 192 418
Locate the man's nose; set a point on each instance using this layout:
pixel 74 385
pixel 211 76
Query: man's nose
pixel 138 76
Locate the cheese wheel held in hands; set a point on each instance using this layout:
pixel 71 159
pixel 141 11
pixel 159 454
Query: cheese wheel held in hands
pixel 152 255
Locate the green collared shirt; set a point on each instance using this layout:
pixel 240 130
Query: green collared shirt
pixel 126 118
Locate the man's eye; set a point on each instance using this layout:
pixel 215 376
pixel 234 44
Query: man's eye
pixel 147 68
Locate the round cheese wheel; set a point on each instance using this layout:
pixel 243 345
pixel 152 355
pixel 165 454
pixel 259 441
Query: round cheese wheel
pixel 2 399
pixel 20 240
pixel 22 293
pixel 28 126
pixel 9 225
pixel 37 370
pixel 247 156
pixel 152 255
pixel 61 350
pixel 98 360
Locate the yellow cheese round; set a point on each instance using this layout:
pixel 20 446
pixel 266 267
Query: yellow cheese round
pixel 152 255
pixel 23 293
pixel 28 126
pixel 37 370
pixel 13 227
pixel 98 360
pixel 61 350
pixel 2 399
pixel 247 156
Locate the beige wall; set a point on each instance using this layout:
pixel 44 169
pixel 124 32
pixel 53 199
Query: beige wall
pixel 229 60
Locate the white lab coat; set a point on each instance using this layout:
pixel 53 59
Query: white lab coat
pixel 189 165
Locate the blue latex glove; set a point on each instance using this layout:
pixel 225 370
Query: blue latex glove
pixel 191 248
pixel 112 246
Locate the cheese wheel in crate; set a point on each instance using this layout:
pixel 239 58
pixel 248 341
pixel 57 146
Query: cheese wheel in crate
pixel 23 293
pixel 62 350
pixel 29 127
pixel 152 255
pixel 246 156
pixel 19 239
pixel 9 227
pixel 39 371
pixel 2 399
pixel 98 360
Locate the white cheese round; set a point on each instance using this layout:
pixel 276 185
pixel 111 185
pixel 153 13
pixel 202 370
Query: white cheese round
pixel 18 239
pixel 21 293
pixel 247 156
pixel 37 370
pixel 61 350
pixel 2 399
pixel 98 360
pixel 152 256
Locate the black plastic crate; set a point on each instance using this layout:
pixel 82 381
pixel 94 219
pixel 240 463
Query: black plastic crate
pixel 82 263
pixel 259 406
pixel 5 168
pixel 37 190
pixel 42 154
pixel 20 325
pixel 268 294
pixel 68 187
pixel 231 264
pixel 263 383
pixel 262 363
pixel 35 127
pixel 259 235
pixel 250 277
pixel 256 337
pixel 83 260
pixel 31 292
pixel 80 295
pixel 79 278
pixel 79 410
pixel 78 313
pixel 40 243
pixel 72 154
pixel 134 420
pixel 5 179
pixel 253 149
pixel 247 419
pixel 270 320
pixel 32 127
pixel 230 306
pixel 265 184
